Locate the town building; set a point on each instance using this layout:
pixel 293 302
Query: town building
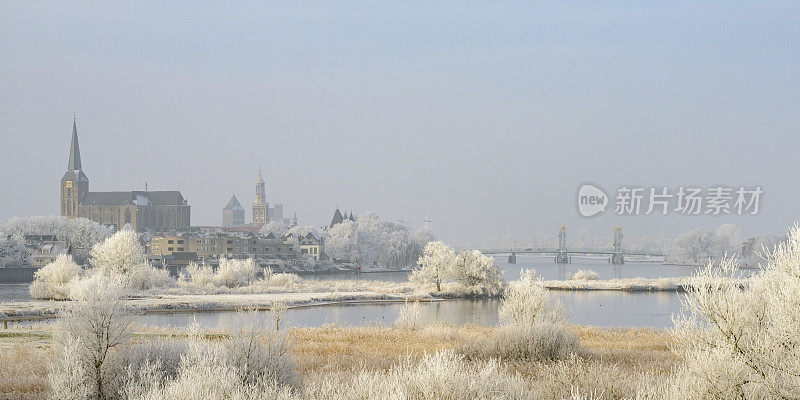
pixel 233 213
pixel 143 210
pixel 241 244
pixel 44 252
pixel 311 246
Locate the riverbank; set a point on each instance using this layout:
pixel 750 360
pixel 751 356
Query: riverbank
pixel 174 303
pixel 298 292
pixel 614 362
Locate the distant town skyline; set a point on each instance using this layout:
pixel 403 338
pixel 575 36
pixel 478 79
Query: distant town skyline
pixel 400 109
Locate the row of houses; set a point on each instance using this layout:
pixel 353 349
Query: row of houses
pixel 202 246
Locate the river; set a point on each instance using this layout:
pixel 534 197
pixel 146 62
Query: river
pixel 600 308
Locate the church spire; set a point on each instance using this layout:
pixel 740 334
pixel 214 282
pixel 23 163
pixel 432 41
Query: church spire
pixel 74 149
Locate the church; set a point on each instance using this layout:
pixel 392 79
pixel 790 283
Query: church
pixel 154 211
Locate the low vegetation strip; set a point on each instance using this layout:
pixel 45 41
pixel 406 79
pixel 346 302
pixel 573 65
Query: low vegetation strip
pixel 625 284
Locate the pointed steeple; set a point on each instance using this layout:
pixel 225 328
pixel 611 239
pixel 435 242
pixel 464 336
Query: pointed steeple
pixel 337 218
pixel 260 178
pixel 74 149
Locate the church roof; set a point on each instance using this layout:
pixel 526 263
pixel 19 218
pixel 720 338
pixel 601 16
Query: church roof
pixel 74 150
pixel 233 204
pixel 337 218
pixel 152 198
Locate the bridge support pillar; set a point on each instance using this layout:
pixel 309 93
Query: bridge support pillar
pixel 562 258
pixel 512 259
pixel 617 259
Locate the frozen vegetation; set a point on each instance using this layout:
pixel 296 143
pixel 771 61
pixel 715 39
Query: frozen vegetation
pixel 732 342
pixel 369 240
pixel 81 233
pixel 585 275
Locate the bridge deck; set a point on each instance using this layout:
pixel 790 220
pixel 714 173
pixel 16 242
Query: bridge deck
pixel 573 250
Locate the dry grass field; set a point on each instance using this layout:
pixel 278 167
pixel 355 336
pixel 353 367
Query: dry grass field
pixel 611 362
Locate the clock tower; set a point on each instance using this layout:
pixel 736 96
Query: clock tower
pixel 74 183
pixel 260 206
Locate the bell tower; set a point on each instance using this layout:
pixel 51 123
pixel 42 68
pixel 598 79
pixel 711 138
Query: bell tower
pixel 74 183
pixel 260 205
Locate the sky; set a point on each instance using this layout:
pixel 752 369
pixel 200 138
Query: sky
pixel 484 117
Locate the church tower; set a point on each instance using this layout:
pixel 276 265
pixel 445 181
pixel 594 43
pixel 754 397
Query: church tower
pixel 74 183
pixel 260 205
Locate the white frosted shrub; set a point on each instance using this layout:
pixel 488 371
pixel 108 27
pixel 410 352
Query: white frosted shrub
pixel 533 327
pixel 545 340
pixel 477 273
pixel 284 279
pixel 586 275
pixel 200 275
pixel 526 301
pixel 97 284
pixel 443 375
pixel 53 280
pixel 743 341
pixel 410 316
pixel 255 363
pixel 235 273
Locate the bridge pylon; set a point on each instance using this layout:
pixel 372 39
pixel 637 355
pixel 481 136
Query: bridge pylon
pixel 512 258
pixel 617 257
pixel 561 256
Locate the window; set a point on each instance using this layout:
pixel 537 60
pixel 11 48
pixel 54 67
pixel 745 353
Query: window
pixel 303 251
pixel 199 241
pixel 170 249
pixel 180 241
pixel 170 241
pixel 180 248
pixel 254 250
pixel 230 241
pixel 230 249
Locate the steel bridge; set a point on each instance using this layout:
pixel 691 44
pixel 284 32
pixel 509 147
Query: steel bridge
pixel 563 254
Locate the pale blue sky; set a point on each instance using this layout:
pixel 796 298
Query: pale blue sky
pixel 485 117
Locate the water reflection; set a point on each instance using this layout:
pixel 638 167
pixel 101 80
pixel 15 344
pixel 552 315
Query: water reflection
pixel 584 308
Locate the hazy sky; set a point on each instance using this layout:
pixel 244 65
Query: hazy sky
pixel 484 117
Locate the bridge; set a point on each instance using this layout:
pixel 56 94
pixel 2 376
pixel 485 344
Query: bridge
pixel 563 254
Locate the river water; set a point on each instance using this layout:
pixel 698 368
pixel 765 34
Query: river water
pixel 600 308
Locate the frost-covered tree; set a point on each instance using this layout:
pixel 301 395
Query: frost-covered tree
pixel 119 254
pixel 342 242
pixel 435 264
pixel 81 233
pixel 53 280
pixel 729 240
pixel 13 252
pixel 123 256
pixel 424 236
pixel 90 331
pixel 371 240
pixel 474 270
pixel 695 247
pixel 743 342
